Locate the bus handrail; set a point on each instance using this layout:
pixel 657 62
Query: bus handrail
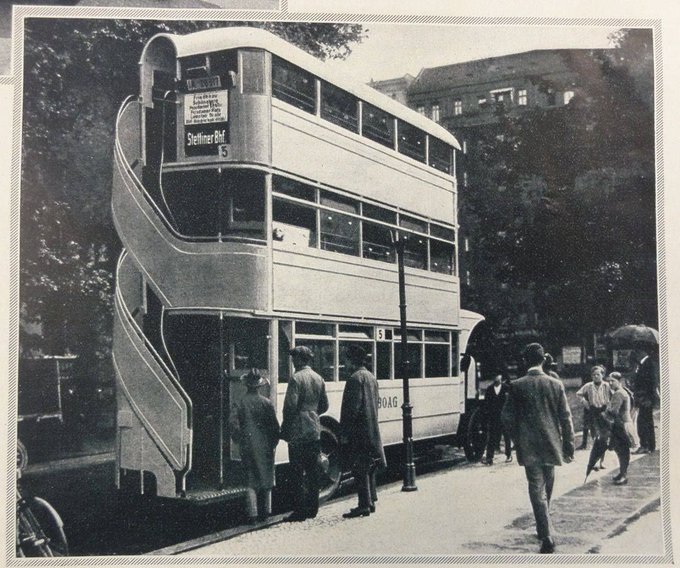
pixel 152 350
pixel 121 159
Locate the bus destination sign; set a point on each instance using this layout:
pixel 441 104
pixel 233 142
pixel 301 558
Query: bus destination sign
pixel 206 131
pixel 212 82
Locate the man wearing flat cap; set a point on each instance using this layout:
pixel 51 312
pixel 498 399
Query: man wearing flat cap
pixel 539 420
pixel 360 430
pixel 305 401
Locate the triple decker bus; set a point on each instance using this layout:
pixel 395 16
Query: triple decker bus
pixel 256 195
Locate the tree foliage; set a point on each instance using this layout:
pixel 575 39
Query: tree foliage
pixel 76 74
pixel 562 205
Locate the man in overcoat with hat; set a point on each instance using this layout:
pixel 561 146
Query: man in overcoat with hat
pixel 305 401
pixel 255 427
pixel 360 431
pixel 539 420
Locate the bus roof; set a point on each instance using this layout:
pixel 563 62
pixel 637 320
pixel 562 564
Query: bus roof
pixel 218 39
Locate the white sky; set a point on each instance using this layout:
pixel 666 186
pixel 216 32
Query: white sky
pixel 392 50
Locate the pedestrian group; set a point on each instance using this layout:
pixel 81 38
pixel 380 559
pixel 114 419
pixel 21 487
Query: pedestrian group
pixel 532 413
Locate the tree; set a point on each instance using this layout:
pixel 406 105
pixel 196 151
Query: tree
pixel 563 203
pixel 77 72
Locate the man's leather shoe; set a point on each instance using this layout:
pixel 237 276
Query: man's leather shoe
pixel 582 447
pixel 547 546
pixel 508 459
pixel 294 518
pixel 371 508
pixel 357 512
pixel 621 480
pixel 641 450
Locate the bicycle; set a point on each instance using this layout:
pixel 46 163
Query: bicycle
pixel 39 528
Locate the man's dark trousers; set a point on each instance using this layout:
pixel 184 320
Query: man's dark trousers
pixel 645 427
pixel 363 472
pixel 304 464
pixel 541 479
pixel 496 431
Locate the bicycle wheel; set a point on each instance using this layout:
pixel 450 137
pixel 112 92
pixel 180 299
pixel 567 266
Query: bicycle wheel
pixel 22 456
pixel 51 525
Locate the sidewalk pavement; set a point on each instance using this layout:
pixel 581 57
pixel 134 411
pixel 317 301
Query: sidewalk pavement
pixel 475 510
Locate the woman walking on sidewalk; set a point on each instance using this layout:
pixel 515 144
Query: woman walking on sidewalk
pixel 622 433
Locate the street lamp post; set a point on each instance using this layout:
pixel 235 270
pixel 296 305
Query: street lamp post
pixel 407 409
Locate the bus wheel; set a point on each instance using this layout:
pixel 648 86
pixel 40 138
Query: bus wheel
pixel 22 456
pixel 475 437
pixel 330 464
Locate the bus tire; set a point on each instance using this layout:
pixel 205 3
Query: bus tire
pixel 475 436
pixel 330 463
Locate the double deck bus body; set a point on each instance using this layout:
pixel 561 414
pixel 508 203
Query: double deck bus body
pixel 257 196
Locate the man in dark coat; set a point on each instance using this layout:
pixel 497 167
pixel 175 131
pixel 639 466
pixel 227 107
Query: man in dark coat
pixel 255 427
pixel 494 399
pixel 646 391
pixel 305 401
pixel 360 431
pixel 539 420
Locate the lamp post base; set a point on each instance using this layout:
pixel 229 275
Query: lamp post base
pixel 409 466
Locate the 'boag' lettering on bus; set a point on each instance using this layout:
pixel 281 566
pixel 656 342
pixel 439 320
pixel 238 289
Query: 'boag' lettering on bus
pixel 388 402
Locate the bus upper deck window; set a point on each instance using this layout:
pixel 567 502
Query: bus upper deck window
pixel 377 125
pixel 293 85
pixel 441 257
pixel 339 107
pixel 411 141
pixel 441 155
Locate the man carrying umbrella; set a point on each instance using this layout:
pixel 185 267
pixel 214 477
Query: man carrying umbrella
pixel 646 391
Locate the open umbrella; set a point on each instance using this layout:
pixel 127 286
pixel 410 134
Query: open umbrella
pixel 629 335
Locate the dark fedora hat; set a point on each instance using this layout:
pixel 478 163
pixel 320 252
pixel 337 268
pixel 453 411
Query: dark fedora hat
pixel 303 352
pixel 356 353
pixel 254 379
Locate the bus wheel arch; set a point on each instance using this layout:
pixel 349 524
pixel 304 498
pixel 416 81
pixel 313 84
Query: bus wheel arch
pixel 474 439
pixel 330 461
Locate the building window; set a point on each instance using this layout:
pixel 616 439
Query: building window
pixel 551 97
pixel 502 95
pixel 435 113
pixel 568 95
pixel 457 107
pixel 421 110
pixel 522 97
